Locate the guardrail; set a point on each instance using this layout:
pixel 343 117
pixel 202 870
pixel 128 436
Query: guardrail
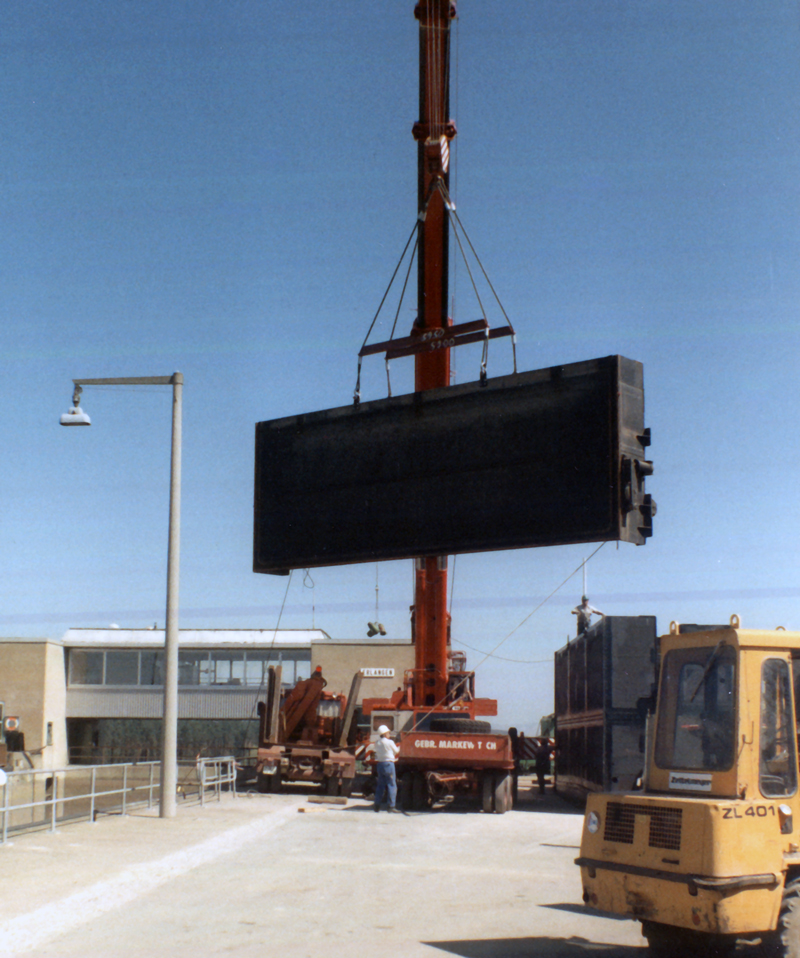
pixel 44 798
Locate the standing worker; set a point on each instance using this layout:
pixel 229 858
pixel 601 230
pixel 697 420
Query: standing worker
pixel 385 756
pixel 584 612
pixel 542 754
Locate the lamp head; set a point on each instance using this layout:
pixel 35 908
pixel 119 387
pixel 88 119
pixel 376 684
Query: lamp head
pixel 76 416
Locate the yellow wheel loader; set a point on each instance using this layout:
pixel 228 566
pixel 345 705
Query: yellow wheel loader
pixel 708 851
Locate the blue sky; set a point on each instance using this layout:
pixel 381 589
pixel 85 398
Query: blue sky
pixel 224 189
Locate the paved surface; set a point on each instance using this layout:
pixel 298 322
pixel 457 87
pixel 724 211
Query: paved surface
pixel 270 875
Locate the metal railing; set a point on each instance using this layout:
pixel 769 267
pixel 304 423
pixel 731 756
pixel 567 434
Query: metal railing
pixel 44 798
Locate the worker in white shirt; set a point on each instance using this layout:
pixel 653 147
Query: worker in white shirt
pixel 585 611
pixel 385 756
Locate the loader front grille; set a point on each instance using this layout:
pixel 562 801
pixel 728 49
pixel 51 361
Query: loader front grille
pixel 665 824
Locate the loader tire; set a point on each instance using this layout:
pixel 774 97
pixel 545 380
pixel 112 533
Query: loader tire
pixel 784 942
pixel 669 941
pixel 460 725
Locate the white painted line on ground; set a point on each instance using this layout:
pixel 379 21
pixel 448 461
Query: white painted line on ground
pixel 27 932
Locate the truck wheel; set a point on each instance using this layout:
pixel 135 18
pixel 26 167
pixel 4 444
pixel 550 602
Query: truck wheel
pixel 448 723
pixel 405 791
pixel 419 792
pixel 487 789
pixel 274 782
pixel 784 942
pixel 502 792
pixel 669 941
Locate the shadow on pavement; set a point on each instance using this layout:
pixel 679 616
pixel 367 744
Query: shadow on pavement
pixel 529 800
pixel 580 909
pixel 536 948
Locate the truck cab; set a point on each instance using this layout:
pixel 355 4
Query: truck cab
pixel 708 850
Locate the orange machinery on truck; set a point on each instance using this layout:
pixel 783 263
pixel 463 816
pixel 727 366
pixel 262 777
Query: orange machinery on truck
pixel 443 747
pixel 307 735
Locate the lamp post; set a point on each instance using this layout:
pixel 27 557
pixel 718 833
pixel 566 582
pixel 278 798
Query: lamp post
pixel 169 732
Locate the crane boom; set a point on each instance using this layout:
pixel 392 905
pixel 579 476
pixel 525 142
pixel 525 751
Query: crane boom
pixel 433 132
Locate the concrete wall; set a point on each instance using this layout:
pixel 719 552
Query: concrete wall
pixel 33 687
pixel 341 660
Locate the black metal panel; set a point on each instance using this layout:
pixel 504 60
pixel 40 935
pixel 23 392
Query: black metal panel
pixel 603 681
pixel 539 458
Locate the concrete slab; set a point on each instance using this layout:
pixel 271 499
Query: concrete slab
pixel 264 875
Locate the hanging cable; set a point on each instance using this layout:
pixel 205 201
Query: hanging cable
pixel 546 599
pixel 405 284
pixel 269 656
pixel 491 654
pixel 455 220
pixel 414 234
pixel 306 579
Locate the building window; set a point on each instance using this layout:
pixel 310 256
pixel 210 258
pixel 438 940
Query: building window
pixel 193 667
pixel 152 668
pixel 227 668
pixel 122 668
pixel 198 668
pixel 85 668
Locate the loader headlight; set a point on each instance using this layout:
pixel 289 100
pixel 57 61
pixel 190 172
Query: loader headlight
pixel 593 822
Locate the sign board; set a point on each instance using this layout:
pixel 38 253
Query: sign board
pixel 547 457
pixel 378 673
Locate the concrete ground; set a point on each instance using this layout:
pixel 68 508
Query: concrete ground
pixel 268 875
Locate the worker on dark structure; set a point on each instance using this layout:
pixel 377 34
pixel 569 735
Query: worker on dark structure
pixel 542 759
pixel 385 757
pixel 584 611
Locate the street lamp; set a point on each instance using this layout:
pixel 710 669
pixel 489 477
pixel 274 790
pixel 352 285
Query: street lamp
pixel 169 733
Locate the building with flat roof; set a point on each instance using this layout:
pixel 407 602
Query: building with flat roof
pixel 97 695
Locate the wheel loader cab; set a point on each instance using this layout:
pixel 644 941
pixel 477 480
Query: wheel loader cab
pixel 702 854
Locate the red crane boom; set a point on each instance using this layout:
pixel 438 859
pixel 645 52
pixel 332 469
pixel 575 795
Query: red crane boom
pixel 433 132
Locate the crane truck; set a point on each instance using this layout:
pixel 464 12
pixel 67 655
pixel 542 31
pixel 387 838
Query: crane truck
pixel 306 735
pixel 444 748
pixel 708 851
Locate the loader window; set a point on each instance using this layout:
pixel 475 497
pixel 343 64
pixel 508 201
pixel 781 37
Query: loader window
pixel 777 767
pixel 696 720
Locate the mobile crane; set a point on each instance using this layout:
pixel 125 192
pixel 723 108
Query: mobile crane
pixel 709 850
pixel 443 748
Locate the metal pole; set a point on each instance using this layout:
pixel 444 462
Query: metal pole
pixel 53 797
pixel 6 803
pixel 169 739
pixel 169 742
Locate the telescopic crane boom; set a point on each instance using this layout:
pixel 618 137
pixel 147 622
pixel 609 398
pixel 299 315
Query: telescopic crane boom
pixel 433 133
